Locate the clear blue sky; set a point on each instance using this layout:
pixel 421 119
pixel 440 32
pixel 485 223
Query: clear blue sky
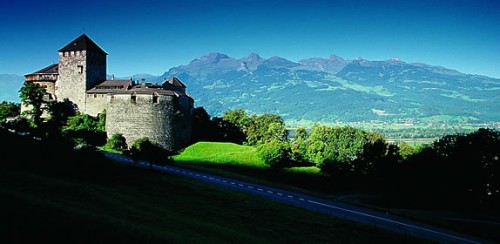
pixel 153 36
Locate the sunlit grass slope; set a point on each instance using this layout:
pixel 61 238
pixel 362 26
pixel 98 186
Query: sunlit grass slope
pixel 221 153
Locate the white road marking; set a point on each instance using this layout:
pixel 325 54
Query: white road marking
pixel 232 183
pixel 391 221
pixel 258 189
pixel 279 194
pixel 290 196
pixel 240 185
pixel 251 187
pixel 302 199
pixel 270 192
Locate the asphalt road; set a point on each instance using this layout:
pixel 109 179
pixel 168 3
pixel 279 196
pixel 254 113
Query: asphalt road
pixel 342 210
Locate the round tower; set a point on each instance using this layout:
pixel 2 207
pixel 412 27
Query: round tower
pixel 162 118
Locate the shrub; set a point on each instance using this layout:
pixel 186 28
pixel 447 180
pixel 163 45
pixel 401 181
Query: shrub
pixel 144 149
pixel 274 153
pixel 117 142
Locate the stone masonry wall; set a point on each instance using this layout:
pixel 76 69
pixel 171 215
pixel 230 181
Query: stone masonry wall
pixel 71 81
pixel 143 118
pixel 96 103
pixel 78 72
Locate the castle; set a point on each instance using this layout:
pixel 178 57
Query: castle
pixel 163 113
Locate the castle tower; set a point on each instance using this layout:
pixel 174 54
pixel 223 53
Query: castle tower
pixel 82 64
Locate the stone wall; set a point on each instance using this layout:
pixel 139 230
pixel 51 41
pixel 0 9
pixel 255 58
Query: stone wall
pixel 163 121
pixel 96 103
pixel 78 72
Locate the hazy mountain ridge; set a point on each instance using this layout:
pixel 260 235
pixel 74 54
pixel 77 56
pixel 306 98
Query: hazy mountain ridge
pixel 9 87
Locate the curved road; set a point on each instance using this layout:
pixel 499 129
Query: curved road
pixel 342 210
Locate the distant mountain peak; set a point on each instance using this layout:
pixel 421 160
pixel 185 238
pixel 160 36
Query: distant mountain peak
pixel 334 57
pixel 211 57
pixel 395 59
pixel 277 58
pixel 253 57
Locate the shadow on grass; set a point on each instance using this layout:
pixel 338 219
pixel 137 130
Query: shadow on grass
pixel 311 182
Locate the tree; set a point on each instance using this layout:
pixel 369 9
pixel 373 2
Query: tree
pixel 202 127
pixel 274 153
pixel 8 110
pixel 86 130
pixel 226 131
pixel 298 147
pixel 85 122
pixel 460 171
pixel 406 150
pixel 345 151
pixel 265 128
pixel 237 117
pixel 59 114
pixel 144 149
pixel 32 95
pixel 117 142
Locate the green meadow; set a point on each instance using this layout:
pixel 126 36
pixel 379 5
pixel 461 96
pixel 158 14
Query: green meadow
pixel 242 162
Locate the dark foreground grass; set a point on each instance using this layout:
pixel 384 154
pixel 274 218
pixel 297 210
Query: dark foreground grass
pixel 92 200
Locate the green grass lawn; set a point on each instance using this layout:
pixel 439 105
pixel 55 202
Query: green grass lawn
pixel 242 162
pixel 221 153
pixel 93 200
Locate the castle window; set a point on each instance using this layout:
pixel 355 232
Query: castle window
pixel 133 98
pixel 95 95
pixel 155 99
pixel 80 69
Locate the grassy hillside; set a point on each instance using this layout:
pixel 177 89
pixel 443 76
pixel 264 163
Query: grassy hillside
pixel 229 154
pixel 221 153
pixel 83 198
pixel 241 162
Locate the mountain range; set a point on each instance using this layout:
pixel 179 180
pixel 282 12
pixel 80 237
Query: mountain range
pixel 333 89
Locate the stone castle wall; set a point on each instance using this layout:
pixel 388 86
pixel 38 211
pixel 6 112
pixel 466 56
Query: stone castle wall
pixel 78 72
pixel 163 120
pixel 96 103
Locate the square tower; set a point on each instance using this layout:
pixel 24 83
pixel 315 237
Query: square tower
pixel 82 65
